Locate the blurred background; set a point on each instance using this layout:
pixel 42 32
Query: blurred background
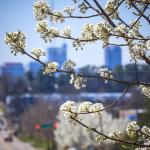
pixel 30 101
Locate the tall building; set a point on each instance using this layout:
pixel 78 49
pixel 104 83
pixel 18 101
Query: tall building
pixel 14 70
pixel 113 56
pixel 58 54
pixel 34 67
pixel 1 69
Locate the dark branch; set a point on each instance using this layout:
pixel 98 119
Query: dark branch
pixel 104 14
pixel 107 107
pixel 108 137
pixel 91 76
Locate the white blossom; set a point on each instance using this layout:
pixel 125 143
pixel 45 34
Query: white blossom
pixel 37 52
pixel 116 135
pixel 46 33
pixel 77 81
pixel 100 138
pixel 69 10
pixel 132 128
pixel 110 8
pixel 50 67
pixel 87 32
pixel 145 90
pixel 144 148
pixel 78 134
pixel 57 17
pixel 41 10
pixel 102 31
pixel 136 51
pixel 135 25
pixel 68 106
pixel 66 31
pixel 105 72
pixel 16 41
pixel 69 65
pixel 96 108
pixel 145 130
pixel 78 44
pixel 132 33
pixel 83 7
pixel 42 29
pixel 68 109
pixel 148 45
pixel 85 107
pixel 54 31
pixel 121 29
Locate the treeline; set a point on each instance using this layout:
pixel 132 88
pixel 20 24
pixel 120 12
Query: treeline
pixel 60 82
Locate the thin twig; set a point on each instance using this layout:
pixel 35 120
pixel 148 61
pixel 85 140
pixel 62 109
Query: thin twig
pixel 137 9
pixel 76 17
pixel 105 108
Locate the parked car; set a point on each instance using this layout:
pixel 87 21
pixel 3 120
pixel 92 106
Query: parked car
pixel 8 137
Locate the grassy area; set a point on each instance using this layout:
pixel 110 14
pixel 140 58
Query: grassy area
pixel 36 142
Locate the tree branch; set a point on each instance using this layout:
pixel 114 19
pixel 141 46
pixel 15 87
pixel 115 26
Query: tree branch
pixel 107 107
pixel 147 60
pixel 104 13
pixel 90 76
pixel 76 17
pixel 137 9
pixel 108 137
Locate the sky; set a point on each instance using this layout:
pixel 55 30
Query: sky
pixel 18 15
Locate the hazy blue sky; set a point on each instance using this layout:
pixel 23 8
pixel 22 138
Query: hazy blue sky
pixel 18 15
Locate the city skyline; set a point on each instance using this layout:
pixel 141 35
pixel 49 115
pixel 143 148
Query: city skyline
pixel 22 18
pixel 113 56
pixel 58 54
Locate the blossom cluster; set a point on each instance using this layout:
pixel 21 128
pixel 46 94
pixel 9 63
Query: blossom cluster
pixel 133 131
pixel 69 10
pixel 46 33
pixel 87 32
pixel 132 128
pixel 66 31
pixel 77 81
pixel 137 51
pixel 41 10
pixel 37 52
pixel 145 90
pixel 141 3
pixel 96 31
pixel 105 72
pixel 50 67
pixel 86 107
pixel 69 107
pixel 110 8
pixel 69 65
pixel 83 7
pixel 57 16
pixel 16 41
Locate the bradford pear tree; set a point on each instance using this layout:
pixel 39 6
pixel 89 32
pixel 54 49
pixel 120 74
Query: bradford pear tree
pixel 114 26
pixel 77 135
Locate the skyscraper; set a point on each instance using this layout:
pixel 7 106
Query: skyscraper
pixel 34 67
pixel 58 54
pixel 1 69
pixel 14 70
pixel 113 56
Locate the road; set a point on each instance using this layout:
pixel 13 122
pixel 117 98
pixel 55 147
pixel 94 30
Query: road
pixel 15 145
